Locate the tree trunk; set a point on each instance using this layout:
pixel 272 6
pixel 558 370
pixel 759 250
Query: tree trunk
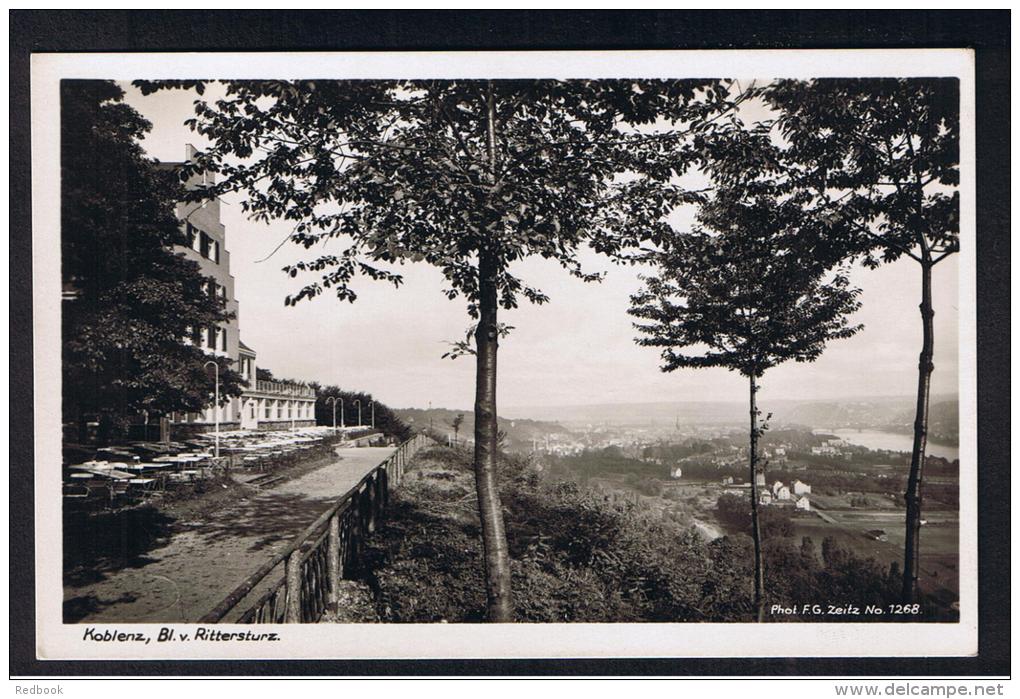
pixel 497 558
pixel 759 563
pixel 911 553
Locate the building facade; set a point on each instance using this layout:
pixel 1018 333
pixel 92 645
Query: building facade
pixel 263 404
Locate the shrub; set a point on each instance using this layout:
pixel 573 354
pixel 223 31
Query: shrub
pixel 578 555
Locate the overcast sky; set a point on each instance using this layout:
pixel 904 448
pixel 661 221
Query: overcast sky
pixel 577 349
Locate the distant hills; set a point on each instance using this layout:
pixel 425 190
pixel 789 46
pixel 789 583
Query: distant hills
pixel 519 432
pixel 889 414
pixel 894 414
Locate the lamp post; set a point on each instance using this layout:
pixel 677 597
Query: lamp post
pixel 373 414
pixel 216 405
pixel 357 402
pixel 332 399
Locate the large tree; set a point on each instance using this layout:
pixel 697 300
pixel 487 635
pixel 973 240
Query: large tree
pixel 746 289
pixel 129 299
pixel 470 176
pixel 882 156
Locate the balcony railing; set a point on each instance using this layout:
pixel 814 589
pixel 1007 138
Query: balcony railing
pixel 282 388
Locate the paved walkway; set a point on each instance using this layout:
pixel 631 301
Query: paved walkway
pixel 197 564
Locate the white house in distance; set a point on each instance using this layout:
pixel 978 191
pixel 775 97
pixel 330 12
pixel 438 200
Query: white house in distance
pixel 780 491
pixel 801 488
pixel 676 472
pixel 802 503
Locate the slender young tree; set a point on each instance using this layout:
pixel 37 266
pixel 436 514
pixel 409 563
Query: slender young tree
pixel 883 156
pixel 743 291
pixel 129 299
pixel 469 176
pixel 455 424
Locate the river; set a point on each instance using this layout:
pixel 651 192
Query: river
pixel 894 441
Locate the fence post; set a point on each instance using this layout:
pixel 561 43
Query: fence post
pixel 333 561
pixel 371 493
pixel 293 612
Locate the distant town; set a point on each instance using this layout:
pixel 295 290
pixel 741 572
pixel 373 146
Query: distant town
pixel 819 482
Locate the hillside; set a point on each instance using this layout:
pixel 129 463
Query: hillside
pixel 519 432
pixel 891 414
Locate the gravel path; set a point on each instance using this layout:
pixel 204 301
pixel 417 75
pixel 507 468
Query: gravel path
pixel 195 564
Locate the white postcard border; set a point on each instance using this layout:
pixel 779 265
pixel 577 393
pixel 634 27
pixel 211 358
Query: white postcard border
pixel 56 640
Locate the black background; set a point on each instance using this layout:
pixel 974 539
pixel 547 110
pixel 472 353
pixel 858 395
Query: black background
pixel 101 31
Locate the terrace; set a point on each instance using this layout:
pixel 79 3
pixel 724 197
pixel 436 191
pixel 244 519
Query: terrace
pixel 131 474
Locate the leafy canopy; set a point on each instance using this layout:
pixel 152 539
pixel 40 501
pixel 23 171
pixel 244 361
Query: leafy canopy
pixel 880 154
pixel 749 287
pixel 378 172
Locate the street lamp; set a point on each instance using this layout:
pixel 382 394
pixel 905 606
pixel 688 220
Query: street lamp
pixel 332 399
pixel 373 415
pixel 357 402
pixel 216 405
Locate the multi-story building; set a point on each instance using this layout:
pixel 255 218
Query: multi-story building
pixel 264 404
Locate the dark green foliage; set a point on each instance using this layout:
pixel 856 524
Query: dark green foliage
pixel 130 299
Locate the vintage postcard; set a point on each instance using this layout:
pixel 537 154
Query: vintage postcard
pixel 505 355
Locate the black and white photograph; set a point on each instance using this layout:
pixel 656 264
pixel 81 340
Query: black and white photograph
pixel 506 354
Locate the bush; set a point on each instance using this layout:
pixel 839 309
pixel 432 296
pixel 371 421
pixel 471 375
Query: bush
pixel 644 484
pixel 734 512
pixel 578 555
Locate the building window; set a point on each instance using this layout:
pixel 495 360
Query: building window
pixel 216 251
pixel 205 245
pixel 196 336
pixel 211 336
pixel 191 232
pixel 223 340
